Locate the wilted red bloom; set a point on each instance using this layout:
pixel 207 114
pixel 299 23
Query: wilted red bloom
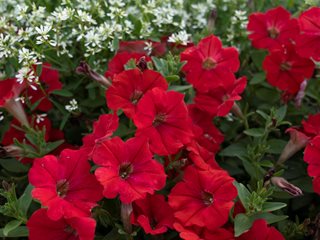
pixel 209 64
pixel 272 29
pixel 129 86
pixel 308 41
pixel 202 233
pixel 103 129
pixel 163 118
pixel 203 198
pixel 117 63
pixel 286 70
pixel 65 184
pixel 220 100
pixel 312 157
pixel 127 169
pixel 153 214
pixel 141 46
pixel 42 227
pixel 261 231
pixel 206 133
pixel 49 79
pixel 10 89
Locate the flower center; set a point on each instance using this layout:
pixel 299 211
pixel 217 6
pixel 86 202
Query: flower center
pixel 69 229
pixel 135 97
pixel 273 32
pixel 159 118
pixel 209 64
pixel 62 187
pixel 285 66
pixel 207 198
pixel 125 170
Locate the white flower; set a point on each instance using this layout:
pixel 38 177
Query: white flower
pixel 1 116
pixel 148 47
pixel 40 117
pixel 180 38
pixel 73 106
pixel 26 73
pixel 43 32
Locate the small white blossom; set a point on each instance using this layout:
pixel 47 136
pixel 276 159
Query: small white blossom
pixel 27 74
pixel 73 105
pixel 1 116
pixel 181 37
pixel 40 117
pixel 43 32
pixel 148 47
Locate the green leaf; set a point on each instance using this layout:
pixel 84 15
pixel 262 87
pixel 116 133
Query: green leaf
pixel 21 231
pixel 13 165
pixel 281 113
pixel 62 92
pixel 235 150
pixel 270 217
pixel 180 88
pixel 258 56
pixel 243 193
pixel 25 199
pixel 115 44
pixel 39 70
pixel 258 78
pixel 242 223
pixel 11 226
pixel 255 132
pixel 172 78
pixel 53 145
pixel 276 146
pixel 272 206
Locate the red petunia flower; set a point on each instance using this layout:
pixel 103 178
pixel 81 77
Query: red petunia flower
pixel 272 29
pixel 312 157
pixel 308 41
pixel 163 118
pixel 127 169
pixel 209 64
pixel 203 198
pixel 261 231
pixel 10 89
pixel 286 70
pixel 103 129
pixel 129 86
pixel 202 233
pixel 206 133
pixel 117 63
pixel 311 126
pixel 65 184
pixel 142 46
pixel 153 214
pixel 42 227
pixel 49 80
pixel 219 101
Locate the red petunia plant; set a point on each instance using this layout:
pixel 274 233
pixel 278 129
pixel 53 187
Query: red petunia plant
pixel 204 198
pixel 153 214
pixel 308 40
pixel 209 64
pixel 286 70
pixel 77 228
pixel 128 169
pixel 129 86
pixel 163 118
pixel 272 29
pixel 64 184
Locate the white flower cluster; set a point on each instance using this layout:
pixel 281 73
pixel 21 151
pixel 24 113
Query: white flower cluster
pixel 73 105
pixel 181 37
pixel 239 22
pixel 91 29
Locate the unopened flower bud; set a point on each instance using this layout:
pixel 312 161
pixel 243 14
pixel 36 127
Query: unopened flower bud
pixel 212 19
pixel 13 151
pixel 298 140
pixel 126 210
pixel 85 69
pixel 286 186
pixel 142 64
pixel 300 95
